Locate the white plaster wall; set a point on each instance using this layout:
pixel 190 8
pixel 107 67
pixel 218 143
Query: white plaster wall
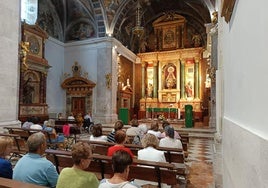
pixel 244 157
pixel 85 55
pixel 54 53
pixel 244 47
pixel 243 56
pixel 9 62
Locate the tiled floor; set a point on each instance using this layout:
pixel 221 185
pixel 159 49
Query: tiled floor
pixel 200 163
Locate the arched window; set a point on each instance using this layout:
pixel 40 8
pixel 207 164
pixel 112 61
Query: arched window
pixel 29 10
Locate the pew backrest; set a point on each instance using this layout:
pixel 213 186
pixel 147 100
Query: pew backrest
pixel 140 169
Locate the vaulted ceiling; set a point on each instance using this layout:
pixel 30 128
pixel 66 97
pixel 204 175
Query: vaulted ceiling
pixel 70 20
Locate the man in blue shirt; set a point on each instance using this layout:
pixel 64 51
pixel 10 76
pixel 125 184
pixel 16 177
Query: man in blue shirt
pixel 32 167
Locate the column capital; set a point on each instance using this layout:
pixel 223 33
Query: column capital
pixel 143 63
pixel 197 59
pixel 182 61
pixel 155 63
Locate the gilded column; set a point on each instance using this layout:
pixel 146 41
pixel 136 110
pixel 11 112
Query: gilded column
pixel 196 79
pixel 182 78
pixel 142 79
pixel 155 79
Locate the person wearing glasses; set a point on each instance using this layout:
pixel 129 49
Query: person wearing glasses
pixel 76 176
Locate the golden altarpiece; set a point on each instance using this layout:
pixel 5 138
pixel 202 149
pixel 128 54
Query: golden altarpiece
pixel 171 77
pixel 33 73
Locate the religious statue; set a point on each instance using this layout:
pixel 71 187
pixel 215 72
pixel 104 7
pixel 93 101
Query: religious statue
pixel 171 79
pixel 23 53
pixel 150 90
pixel 108 80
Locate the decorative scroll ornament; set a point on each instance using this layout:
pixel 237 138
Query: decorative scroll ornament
pixel 108 80
pixel 23 54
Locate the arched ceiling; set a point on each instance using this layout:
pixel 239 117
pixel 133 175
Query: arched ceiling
pixel 70 20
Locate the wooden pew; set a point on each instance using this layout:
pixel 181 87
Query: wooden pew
pixel 74 130
pixel 172 155
pixel 144 170
pixel 20 147
pixel 26 132
pixel 22 132
pixel 9 183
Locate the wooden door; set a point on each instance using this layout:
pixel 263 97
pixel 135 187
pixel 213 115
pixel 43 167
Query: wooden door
pixel 78 105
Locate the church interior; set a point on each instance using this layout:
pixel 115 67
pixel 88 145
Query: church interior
pixel 177 60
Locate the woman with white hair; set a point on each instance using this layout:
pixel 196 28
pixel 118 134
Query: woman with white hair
pixel 142 131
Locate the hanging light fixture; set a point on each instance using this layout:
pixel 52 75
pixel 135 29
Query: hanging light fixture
pixel 138 30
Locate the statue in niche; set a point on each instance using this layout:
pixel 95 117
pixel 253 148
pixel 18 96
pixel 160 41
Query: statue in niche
pixel 150 90
pixel 171 78
pixel 189 89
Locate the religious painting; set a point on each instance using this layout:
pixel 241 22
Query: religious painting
pixel 31 87
pixel 169 77
pixel 169 38
pixel 189 80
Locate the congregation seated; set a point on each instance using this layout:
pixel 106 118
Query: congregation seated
pixel 27 124
pixel 150 153
pixel 150 142
pixel 6 170
pixel 154 129
pixel 96 131
pixel 117 126
pixel 77 176
pixel 48 126
pixel 33 167
pixel 120 140
pixel 143 130
pixel 88 122
pixel 79 120
pixel 169 140
pixel 121 160
pixel 36 123
pixel 71 117
pixel 163 134
pixel 134 129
